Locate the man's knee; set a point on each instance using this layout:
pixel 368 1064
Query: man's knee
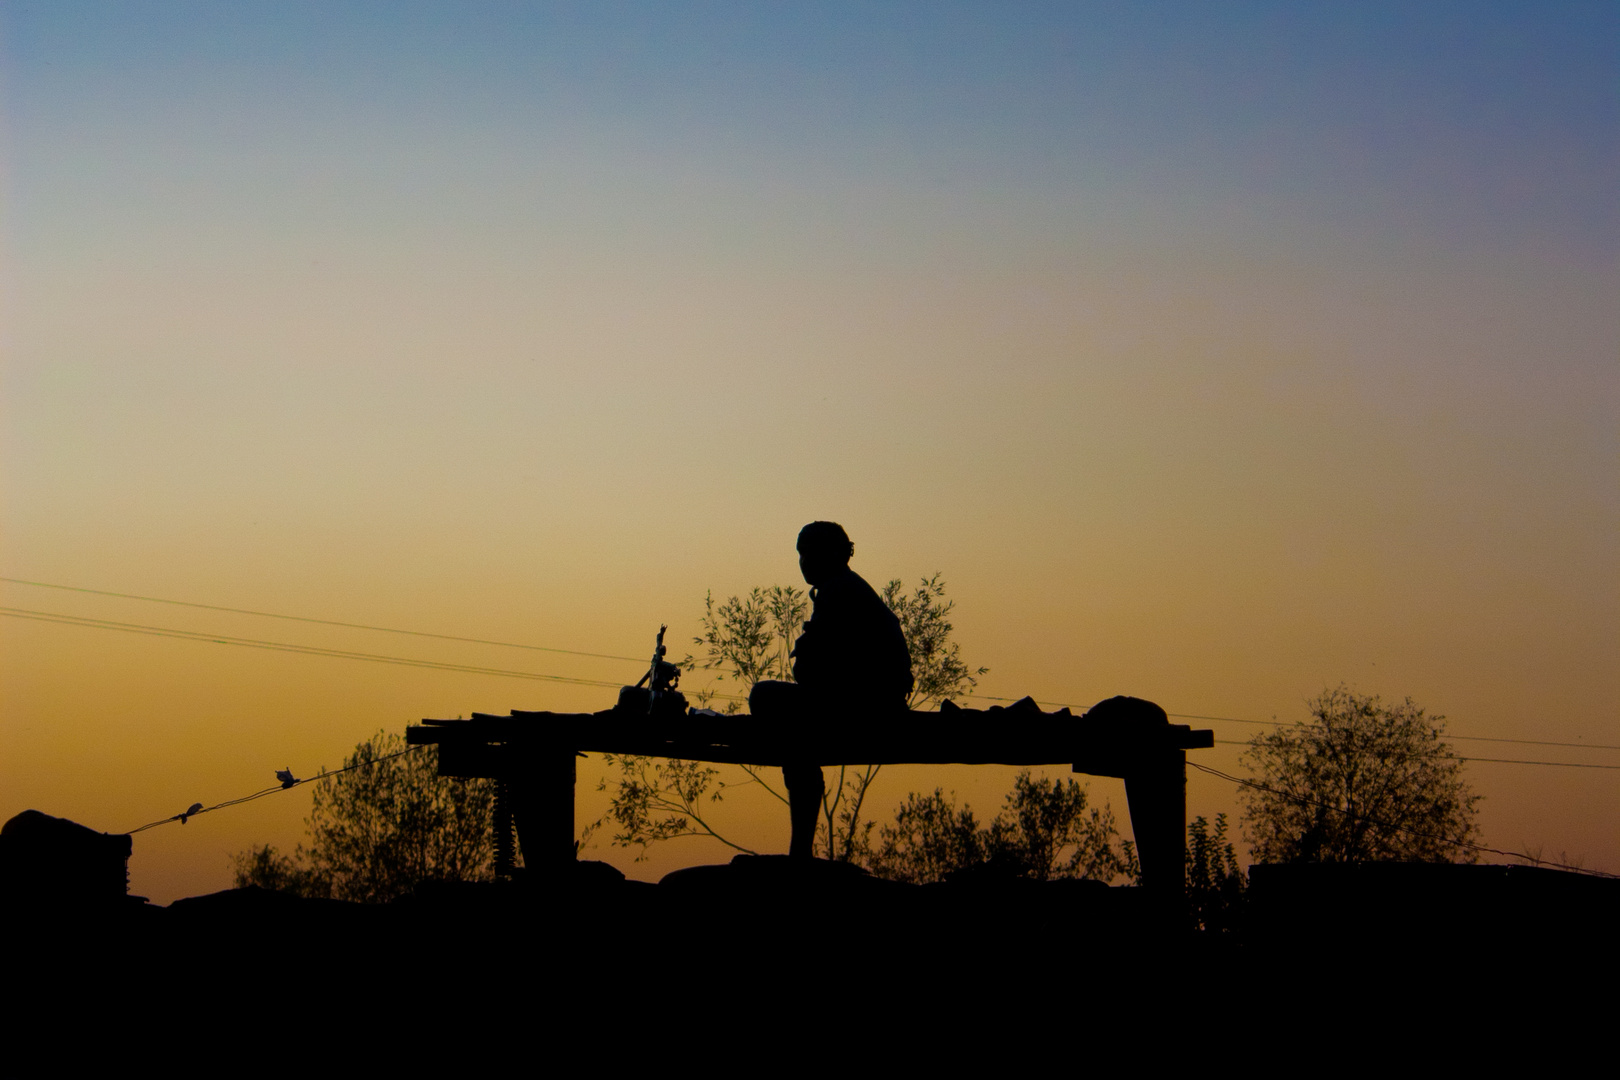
pixel 772 698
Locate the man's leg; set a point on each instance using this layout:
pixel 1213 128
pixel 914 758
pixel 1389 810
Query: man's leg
pixel 785 703
pixel 806 787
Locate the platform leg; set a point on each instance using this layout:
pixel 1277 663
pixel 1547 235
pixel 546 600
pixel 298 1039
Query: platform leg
pixel 543 807
pixel 1156 789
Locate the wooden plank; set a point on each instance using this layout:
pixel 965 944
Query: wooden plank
pixel 474 760
pixel 1099 751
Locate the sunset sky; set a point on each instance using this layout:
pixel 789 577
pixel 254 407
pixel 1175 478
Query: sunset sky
pixel 1215 354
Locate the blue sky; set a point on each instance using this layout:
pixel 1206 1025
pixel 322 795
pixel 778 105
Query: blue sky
pixel 1487 126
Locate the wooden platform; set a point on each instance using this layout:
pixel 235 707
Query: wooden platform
pixel 534 752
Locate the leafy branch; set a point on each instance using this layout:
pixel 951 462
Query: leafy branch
pixel 660 799
pixel 937 669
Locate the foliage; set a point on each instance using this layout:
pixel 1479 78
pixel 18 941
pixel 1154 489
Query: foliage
pixel 1365 782
pixel 382 827
pixel 269 869
pixel 660 799
pixel 1215 882
pixel 936 661
pixel 930 838
pixel 750 639
pixel 1044 831
pixel 1042 820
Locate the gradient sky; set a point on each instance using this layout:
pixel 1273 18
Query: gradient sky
pixel 1216 354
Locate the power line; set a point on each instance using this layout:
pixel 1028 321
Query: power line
pixel 1457 738
pixel 281 646
pixel 1038 701
pixel 1516 761
pixel 1498 761
pixel 1228 719
pixel 1532 742
pixel 1471 739
pixel 319 622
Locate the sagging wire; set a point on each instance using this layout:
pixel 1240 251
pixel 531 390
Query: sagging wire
pixel 1459 757
pixel 318 622
pixel 287 783
pixel 288 647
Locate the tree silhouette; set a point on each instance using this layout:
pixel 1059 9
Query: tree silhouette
pixel 382 828
pixel 747 640
pixel 1364 782
pixel 1044 831
pixel 937 670
pixel 1216 885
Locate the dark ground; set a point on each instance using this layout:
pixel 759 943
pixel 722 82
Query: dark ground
pixel 763 917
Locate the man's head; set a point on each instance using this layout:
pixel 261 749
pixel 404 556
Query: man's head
pixel 824 549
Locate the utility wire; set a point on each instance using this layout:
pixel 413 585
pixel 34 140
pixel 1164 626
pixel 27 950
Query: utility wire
pixel 1459 738
pixel 319 622
pixel 992 697
pixel 1517 761
pixel 281 646
pixel 1280 723
pixel 322 775
pixel 1496 760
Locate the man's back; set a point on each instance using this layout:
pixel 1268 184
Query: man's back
pixel 852 648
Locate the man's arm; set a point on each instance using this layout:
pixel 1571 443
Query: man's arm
pixel 809 657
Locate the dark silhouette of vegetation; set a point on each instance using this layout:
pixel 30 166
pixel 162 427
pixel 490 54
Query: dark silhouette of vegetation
pixel 1216 884
pixel 746 640
pixel 266 868
pixel 1364 782
pixel 658 799
pixel 383 829
pixel 1044 831
pixel 750 639
pixel 937 669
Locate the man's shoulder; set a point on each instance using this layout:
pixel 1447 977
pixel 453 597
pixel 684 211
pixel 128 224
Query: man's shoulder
pixel 852 601
pixel 851 589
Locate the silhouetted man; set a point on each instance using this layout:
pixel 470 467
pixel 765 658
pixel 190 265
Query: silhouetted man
pixel 851 655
